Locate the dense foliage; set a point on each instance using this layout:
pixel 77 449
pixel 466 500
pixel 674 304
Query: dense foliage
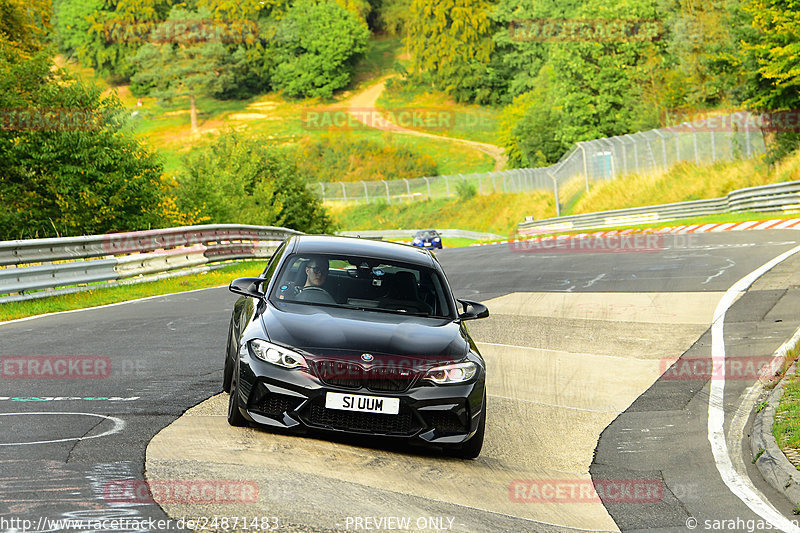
pixel 68 164
pixel 318 43
pixel 351 159
pixel 571 71
pixel 244 180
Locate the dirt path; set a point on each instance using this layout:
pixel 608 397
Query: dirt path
pixel 362 107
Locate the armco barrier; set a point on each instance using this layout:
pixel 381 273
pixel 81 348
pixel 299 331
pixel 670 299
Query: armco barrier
pixel 765 198
pixel 408 234
pixel 48 265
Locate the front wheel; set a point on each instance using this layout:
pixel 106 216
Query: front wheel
pixel 472 448
pixel 235 417
pixel 227 374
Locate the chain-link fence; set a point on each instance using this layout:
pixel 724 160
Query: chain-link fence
pixel 722 138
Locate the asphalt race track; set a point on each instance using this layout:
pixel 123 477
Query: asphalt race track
pixel 577 346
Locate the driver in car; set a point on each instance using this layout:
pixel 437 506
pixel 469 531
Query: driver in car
pixel 316 272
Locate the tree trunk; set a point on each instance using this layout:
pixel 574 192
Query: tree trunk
pixel 194 113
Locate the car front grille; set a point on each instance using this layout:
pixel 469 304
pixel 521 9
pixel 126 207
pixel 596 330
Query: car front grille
pixel 399 424
pixel 380 378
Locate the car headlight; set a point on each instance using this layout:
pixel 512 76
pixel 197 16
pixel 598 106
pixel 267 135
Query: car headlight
pixel 456 373
pixel 417 241
pixel 277 355
pixel 436 239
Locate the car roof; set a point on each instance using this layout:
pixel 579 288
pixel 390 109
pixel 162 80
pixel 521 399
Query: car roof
pixel 326 244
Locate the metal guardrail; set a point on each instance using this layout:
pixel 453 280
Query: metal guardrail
pixel 56 264
pixel 764 198
pixel 408 234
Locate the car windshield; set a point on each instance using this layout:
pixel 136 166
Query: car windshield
pixel 426 234
pixel 363 283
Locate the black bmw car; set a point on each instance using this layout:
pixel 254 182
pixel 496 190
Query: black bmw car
pixel 357 336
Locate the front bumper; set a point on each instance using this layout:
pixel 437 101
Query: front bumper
pixel 295 399
pixel 428 245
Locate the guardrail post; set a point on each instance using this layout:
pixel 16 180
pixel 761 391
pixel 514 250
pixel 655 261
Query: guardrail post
pixel 713 147
pixel 585 168
pixel 624 157
pixel 366 193
pixel 663 147
pixel 694 139
pixel 614 151
pixel 747 134
pixel 322 186
pixel 388 198
pixel 635 152
pixel 408 190
pixel 344 192
pixel 555 192
pixel 428 184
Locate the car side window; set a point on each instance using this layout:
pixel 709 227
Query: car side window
pixel 273 262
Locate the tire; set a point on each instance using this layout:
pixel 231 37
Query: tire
pixel 235 417
pixel 472 448
pixel 227 374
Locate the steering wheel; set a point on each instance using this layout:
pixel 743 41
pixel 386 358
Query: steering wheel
pixel 316 295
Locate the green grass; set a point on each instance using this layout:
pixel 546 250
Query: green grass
pixel 378 60
pixel 166 125
pixel 786 426
pixel 447 118
pixel 122 293
pixel 496 213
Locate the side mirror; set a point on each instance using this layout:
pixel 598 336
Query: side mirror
pixel 472 310
pixel 247 287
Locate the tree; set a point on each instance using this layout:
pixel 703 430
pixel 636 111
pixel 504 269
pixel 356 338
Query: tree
pixel 105 35
pixel 23 26
pixel 775 50
pixel 452 41
pixel 318 44
pixel 181 61
pixel 240 180
pixel 68 163
pixel 531 126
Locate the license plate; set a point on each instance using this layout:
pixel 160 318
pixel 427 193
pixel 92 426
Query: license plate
pixel 362 404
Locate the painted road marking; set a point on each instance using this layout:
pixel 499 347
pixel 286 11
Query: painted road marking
pixel 740 485
pixel 119 425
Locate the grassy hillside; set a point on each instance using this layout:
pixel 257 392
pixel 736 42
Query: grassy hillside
pixel 495 213
pixel 500 213
pixel 166 125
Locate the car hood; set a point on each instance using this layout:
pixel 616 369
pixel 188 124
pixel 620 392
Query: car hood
pixel 349 333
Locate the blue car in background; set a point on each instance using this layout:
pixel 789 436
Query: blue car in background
pixel 427 238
